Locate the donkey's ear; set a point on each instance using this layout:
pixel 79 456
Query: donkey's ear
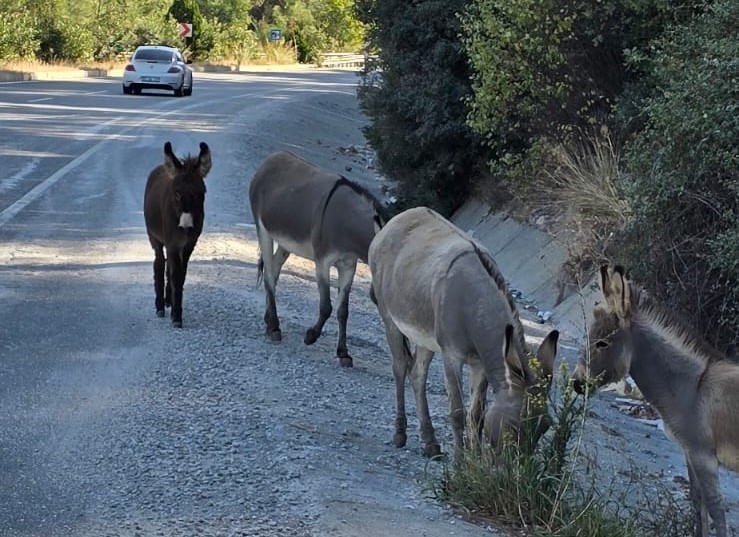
pixel 204 161
pixel 547 352
pixel 170 160
pixel 511 358
pixel 616 290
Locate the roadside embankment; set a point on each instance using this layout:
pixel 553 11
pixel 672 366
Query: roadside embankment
pixel 532 263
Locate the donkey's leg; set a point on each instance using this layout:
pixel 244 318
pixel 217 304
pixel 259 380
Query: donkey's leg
pixel 272 322
pixel 700 513
pixel 478 391
pixel 401 364
pixel 705 470
pixel 346 269
pixel 453 379
pixel 159 264
pixel 419 374
pixel 176 281
pixel 324 310
pixel 186 253
pixel 278 261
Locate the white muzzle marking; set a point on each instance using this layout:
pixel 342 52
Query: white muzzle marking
pixel 186 221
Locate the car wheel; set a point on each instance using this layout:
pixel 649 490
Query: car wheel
pixel 127 90
pixel 135 89
pixel 188 91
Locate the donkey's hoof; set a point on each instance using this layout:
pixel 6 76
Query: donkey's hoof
pixel 160 313
pixel 311 336
pixel 399 439
pixel 432 451
pixel 177 324
pixel 275 335
pixel 346 361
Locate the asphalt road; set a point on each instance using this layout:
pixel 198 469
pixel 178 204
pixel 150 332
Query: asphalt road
pixel 114 423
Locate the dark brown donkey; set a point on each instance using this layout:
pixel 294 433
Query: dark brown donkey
pixel 695 390
pixel 174 213
pixel 316 215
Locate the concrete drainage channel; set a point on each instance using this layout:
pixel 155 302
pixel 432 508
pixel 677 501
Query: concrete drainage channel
pixel 532 263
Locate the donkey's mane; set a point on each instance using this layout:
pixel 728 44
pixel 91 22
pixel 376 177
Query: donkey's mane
pixel 671 326
pixel 379 208
pixel 492 269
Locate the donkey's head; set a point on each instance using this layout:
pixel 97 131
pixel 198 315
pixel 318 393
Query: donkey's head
pixel 608 357
pixel 188 186
pixel 521 406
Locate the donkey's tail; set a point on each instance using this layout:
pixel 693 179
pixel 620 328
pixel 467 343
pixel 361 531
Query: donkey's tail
pixel 260 263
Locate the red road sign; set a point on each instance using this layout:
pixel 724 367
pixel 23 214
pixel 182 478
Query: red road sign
pixel 185 29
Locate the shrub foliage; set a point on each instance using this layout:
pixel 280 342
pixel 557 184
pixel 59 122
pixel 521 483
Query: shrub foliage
pixel 83 30
pixel 417 111
pixel 683 240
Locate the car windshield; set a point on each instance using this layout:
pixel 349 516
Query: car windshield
pixel 155 55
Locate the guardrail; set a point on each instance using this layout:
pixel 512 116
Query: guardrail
pixel 342 59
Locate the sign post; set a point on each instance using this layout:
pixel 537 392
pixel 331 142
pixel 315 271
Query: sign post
pixel 185 29
pixel 275 34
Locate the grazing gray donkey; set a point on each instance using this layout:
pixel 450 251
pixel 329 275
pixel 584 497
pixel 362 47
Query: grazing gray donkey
pixel 693 388
pixel 174 212
pixel 442 291
pixel 316 215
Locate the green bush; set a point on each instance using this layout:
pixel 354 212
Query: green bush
pixel 418 109
pixel 546 71
pixel 683 242
pixel 234 42
pixel 18 36
pixel 63 39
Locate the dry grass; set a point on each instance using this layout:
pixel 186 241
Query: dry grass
pixel 29 66
pixel 580 191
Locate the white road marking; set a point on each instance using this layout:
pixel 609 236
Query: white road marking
pixel 36 192
pixel 13 180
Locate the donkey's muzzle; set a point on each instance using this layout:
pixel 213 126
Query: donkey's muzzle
pixel 579 385
pixel 186 222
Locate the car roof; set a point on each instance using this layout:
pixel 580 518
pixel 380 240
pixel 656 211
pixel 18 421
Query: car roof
pixel 154 52
pixel 164 47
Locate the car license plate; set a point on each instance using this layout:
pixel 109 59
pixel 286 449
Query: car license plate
pixel 149 79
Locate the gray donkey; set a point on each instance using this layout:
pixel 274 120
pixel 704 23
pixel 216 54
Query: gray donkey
pixel 316 215
pixel 439 289
pixel 692 386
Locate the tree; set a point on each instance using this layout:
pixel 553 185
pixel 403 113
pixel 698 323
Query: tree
pixel 683 242
pixel 188 11
pixel 418 110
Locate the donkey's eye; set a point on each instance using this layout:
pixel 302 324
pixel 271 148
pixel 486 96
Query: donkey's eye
pixel 600 344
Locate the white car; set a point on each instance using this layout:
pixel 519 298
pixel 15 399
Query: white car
pixel 158 67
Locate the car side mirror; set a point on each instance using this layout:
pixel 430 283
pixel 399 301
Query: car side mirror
pixel 188 62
